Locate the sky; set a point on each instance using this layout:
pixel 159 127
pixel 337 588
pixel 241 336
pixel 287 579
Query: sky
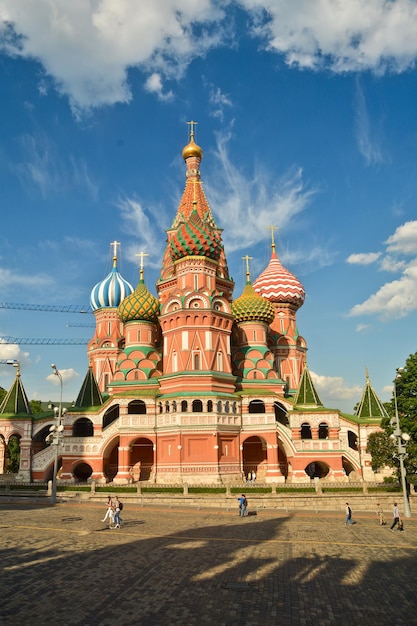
pixel 306 114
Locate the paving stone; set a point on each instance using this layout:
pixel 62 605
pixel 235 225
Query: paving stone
pixel 167 567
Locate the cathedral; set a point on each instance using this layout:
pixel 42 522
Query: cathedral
pixel 194 386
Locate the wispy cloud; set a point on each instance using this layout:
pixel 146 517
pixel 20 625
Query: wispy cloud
pixel 250 204
pixel 67 375
pixel 154 85
pixel 142 224
pixel 11 278
pixel 368 145
pixel 43 167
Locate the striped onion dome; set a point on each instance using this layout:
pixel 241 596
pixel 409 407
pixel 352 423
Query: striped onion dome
pixel 139 305
pixel 251 306
pixel 277 284
pixel 111 291
pixel 195 238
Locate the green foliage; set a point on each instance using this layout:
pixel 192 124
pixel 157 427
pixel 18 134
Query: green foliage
pixel 115 489
pixel 251 489
pixel 13 455
pixel 382 449
pixel 36 406
pixel 207 490
pixel 162 490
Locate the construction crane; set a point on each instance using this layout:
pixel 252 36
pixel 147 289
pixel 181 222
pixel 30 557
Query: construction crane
pixel 80 325
pixel 52 308
pixel 13 362
pixel 27 341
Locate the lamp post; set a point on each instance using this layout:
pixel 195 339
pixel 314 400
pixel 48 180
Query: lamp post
pixel 402 440
pixel 56 433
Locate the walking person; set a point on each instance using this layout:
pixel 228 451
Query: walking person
pixel 243 505
pixel 118 506
pixel 396 516
pixel 348 515
pixel 380 515
pixel 109 505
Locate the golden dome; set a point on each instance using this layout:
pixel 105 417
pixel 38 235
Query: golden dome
pixel 192 150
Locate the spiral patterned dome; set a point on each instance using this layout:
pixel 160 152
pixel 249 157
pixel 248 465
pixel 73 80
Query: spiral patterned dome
pixel 111 291
pixel 195 238
pixel 139 305
pixel 277 284
pixel 251 306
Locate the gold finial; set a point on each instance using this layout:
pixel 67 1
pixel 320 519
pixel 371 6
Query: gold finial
pixel 192 150
pixel 191 133
pixel 367 375
pixel 272 229
pixel 115 244
pixel 16 364
pixel 247 259
pixel 142 256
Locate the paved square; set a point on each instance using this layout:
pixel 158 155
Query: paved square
pixel 174 566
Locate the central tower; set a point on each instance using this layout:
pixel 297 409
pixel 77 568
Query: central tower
pixel 195 291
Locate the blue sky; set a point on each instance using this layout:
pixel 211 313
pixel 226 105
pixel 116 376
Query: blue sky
pixel 306 113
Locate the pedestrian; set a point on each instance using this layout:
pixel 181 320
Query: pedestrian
pixel 109 505
pixel 397 519
pixel 348 515
pixel 380 515
pixel 243 505
pixel 253 476
pixel 117 509
pixel 249 478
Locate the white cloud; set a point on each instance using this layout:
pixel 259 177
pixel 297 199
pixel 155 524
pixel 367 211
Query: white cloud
pixel 393 300
pixel 250 205
pixel 86 47
pixel 391 264
pixel 335 388
pixel 219 101
pixel 363 258
pixel 361 327
pixel 404 240
pixel 67 375
pixel 154 85
pixel 355 35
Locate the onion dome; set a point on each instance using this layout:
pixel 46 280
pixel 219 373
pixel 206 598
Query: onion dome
pixel 192 149
pixel 250 306
pixel 111 291
pixel 195 238
pixel 140 305
pixel 277 284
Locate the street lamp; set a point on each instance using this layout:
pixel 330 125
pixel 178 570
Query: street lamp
pixel 56 433
pixel 402 440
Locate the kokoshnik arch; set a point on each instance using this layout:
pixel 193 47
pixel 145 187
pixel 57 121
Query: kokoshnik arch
pixel 193 386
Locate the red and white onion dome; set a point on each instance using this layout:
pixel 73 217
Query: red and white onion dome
pixel 277 284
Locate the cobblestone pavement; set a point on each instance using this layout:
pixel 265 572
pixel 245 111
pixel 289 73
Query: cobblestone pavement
pixel 61 565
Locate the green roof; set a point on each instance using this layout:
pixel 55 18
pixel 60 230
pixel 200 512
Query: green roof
pixel 307 395
pixel 15 402
pixel 370 406
pixel 90 394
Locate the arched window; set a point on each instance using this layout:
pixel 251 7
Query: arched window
pixel 209 406
pixel 352 440
pixel 136 407
pixel 219 407
pixel 160 408
pixel 83 428
pixel 174 406
pixel 184 406
pixel 306 431
pixel 167 407
pixel 227 406
pixel 196 356
pixel 256 406
pixel 197 406
pixel 323 431
pixel 110 415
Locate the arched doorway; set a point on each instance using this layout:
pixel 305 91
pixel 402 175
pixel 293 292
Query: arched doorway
pixel 254 456
pixel 141 459
pixel 317 469
pixel 111 460
pixel 82 472
pixel 13 455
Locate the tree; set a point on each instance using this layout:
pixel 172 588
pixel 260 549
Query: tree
pixel 382 448
pixel 36 406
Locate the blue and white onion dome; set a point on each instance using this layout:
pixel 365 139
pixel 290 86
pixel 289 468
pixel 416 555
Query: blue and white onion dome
pixel 111 291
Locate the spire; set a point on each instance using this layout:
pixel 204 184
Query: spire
pixel 370 406
pixel 307 395
pixel 16 401
pixel 89 393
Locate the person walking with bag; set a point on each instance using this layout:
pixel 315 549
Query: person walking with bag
pixel 396 516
